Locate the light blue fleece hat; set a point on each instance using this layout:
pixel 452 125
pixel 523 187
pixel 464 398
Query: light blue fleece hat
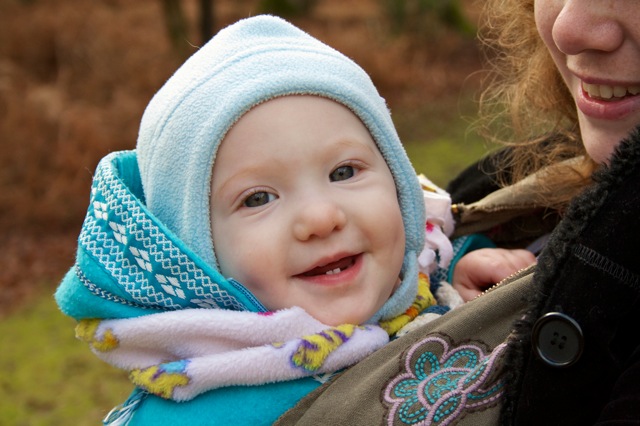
pixel 245 64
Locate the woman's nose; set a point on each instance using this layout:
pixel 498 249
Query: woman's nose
pixel 587 26
pixel 318 220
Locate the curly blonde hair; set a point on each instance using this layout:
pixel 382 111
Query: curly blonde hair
pixel 526 104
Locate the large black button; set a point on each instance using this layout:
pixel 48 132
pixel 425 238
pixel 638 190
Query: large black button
pixel 557 339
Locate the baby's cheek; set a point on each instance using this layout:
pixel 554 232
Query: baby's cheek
pixel 396 285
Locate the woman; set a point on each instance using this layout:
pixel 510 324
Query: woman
pixel 558 343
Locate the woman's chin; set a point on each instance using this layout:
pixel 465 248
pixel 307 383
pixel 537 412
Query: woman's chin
pixel 600 143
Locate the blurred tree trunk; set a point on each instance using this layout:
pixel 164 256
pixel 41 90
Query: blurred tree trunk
pixel 176 26
pixel 207 20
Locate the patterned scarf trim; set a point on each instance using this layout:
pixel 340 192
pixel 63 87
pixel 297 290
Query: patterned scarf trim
pixel 146 264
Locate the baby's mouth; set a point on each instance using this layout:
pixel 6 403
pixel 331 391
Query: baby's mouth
pixel 332 267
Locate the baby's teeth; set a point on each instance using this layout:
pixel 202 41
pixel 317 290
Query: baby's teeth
pixel 335 271
pixel 634 90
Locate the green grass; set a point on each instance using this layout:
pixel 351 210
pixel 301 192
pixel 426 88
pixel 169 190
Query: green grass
pixel 443 158
pixel 50 378
pixel 438 139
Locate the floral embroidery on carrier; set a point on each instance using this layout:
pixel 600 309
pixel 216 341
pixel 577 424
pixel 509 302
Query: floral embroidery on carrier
pixel 441 382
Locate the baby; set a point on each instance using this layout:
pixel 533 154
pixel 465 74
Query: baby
pixel 269 187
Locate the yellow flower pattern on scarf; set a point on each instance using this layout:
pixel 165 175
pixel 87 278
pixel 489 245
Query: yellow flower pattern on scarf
pixel 315 348
pixel 161 379
pixel 424 299
pixel 86 331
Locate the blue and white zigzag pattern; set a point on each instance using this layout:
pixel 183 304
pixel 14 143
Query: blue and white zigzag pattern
pixel 135 251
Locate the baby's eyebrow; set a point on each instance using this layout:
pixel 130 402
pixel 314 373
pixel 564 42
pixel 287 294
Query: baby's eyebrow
pixel 349 143
pixel 245 172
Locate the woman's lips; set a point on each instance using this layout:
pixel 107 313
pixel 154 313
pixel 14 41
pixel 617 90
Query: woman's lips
pixel 608 102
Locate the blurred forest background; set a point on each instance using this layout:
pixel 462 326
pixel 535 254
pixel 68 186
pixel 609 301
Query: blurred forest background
pixel 75 77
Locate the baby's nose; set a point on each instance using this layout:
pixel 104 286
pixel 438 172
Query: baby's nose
pixel 319 220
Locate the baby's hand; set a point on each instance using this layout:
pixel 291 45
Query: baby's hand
pixel 480 269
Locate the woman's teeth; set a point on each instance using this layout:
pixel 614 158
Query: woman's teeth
pixel 603 91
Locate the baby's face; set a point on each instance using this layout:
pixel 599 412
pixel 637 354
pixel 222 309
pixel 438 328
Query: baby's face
pixel 305 212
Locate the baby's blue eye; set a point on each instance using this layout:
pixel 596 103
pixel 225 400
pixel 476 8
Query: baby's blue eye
pixel 258 199
pixel 342 173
